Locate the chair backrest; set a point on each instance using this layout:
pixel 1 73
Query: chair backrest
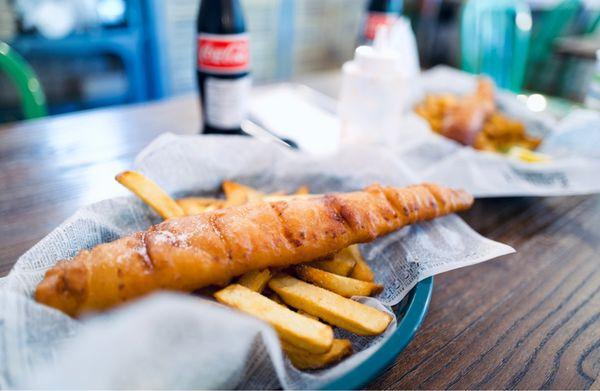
pixel 552 24
pixel 33 100
pixel 593 22
pixel 495 40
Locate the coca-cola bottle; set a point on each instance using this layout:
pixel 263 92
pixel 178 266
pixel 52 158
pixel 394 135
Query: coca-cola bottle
pixel 380 13
pixel 223 65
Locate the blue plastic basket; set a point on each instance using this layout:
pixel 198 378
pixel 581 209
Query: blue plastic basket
pixel 410 313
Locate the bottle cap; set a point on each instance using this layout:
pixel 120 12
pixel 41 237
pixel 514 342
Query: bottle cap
pixel 379 58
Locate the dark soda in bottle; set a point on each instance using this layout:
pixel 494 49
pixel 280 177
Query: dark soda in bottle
pixel 223 66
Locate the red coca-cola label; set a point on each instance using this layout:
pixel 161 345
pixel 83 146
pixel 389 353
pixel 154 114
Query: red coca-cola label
pixel 223 53
pixel 376 19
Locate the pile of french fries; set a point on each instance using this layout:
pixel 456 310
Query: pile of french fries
pixel 303 302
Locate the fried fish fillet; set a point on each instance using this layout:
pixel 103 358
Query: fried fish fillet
pixel 465 120
pixel 188 253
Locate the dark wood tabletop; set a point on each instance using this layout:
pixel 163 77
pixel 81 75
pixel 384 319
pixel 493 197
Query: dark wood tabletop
pixel 528 320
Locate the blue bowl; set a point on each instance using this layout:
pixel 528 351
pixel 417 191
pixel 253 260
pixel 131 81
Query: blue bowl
pixel 410 313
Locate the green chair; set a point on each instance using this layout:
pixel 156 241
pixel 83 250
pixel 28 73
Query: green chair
pixel 542 72
pixel 495 40
pixel 594 21
pixel 24 78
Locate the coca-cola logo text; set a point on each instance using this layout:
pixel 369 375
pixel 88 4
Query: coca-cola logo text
pixel 223 54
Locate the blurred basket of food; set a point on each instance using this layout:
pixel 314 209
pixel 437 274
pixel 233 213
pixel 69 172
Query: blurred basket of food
pixel 475 120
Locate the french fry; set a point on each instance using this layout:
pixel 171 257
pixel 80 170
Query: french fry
pixel 362 270
pixel 197 205
pixel 302 190
pixel 255 279
pixel 307 314
pixel 341 285
pixel 298 330
pixel 340 263
pixel 152 194
pixel 331 307
pixel 275 297
pixel 303 359
pixel 238 194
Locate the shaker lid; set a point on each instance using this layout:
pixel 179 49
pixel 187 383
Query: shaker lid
pixel 379 58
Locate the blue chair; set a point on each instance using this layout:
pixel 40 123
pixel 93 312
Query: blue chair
pixel 495 40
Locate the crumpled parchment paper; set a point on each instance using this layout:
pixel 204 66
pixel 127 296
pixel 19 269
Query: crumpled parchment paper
pixel 572 142
pixel 171 340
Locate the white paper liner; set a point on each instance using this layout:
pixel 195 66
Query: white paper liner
pixel 182 341
pixel 573 143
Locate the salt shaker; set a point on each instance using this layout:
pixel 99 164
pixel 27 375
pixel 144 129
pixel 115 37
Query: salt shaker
pixel 374 94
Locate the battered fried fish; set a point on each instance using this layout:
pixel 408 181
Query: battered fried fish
pixel 191 252
pixel 465 120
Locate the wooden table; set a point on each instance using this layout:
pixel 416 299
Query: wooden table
pixel 528 320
